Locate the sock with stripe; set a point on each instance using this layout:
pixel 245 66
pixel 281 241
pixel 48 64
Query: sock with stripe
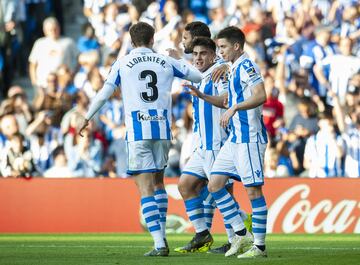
pixel 195 211
pixel 209 206
pixel 161 199
pixel 259 218
pixel 151 215
pixel 227 206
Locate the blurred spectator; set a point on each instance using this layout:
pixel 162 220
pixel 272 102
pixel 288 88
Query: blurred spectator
pixel 87 61
pixel 305 121
pixel 7 32
pixel 324 150
pixel 273 109
pixel 20 107
pixel 70 117
pixel 272 168
pixel 254 46
pixel 340 68
pixel 50 52
pixel 44 138
pixel 84 153
pixel 88 40
pixel 9 127
pixel 94 83
pixel 315 52
pixel 60 168
pixel 16 160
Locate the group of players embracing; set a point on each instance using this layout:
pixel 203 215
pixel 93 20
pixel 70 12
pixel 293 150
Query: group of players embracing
pixel 227 94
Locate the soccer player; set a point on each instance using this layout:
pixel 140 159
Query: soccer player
pixel 197 170
pixel 244 150
pixel 145 79
pixel 218 70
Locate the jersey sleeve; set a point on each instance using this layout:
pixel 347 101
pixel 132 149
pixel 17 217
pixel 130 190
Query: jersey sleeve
pixel 184 70
pixel 252 73
pixel 114 78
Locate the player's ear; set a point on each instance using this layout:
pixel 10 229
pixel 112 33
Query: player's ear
pixel 236 46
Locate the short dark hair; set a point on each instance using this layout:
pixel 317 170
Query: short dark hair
pixel 233 35
pixel 204 41
pixel 141 33
pixel 198 29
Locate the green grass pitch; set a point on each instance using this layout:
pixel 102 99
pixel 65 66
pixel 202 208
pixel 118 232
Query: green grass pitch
pixel 124 249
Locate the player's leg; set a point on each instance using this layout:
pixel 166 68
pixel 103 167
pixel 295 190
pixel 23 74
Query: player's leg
pixel 221 172
pixel 161 155
pixel 192 179
pixel 252 157
pixel 161 199
pixel 141 165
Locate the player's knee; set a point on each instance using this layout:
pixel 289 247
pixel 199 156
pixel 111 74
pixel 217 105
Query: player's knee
pixel 254 192
pixel 184 188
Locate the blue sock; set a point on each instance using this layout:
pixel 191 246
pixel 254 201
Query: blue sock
pixel 195 211
pixel 161 199
pixel 259 218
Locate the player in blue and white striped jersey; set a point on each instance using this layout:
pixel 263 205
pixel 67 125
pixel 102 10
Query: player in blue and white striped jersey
pixel 145 79
pixel 211 137
pixel 244 150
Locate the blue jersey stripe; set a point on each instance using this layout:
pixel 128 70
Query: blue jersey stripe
pixel 168 129
pixel 136 126
pixel 118 79
pixel 263 129
pixel 208 109
pixel 243 117
pixel 155 127
pixel 177 73
pixel 196 113
pixel 232 127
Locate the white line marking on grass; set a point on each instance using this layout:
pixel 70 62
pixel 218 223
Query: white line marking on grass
pixel 132 246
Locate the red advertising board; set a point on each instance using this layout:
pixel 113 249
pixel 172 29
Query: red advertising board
pixel 296 205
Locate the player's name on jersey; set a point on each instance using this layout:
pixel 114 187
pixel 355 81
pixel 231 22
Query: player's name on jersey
pixel 145 58
pixel 146 117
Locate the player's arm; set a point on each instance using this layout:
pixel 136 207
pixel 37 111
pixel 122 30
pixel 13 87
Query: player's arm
pixel 219 101
pixel 182 68
pixel 257 98
pixel 104 94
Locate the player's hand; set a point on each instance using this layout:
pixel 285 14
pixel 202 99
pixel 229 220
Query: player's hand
pixel 174 53
pixel 224 120
pixel 192 90
pixel 84 124
pixel 220 72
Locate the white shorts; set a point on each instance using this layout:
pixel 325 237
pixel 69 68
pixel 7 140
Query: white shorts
pixel 247 159
pixel 200 164
pixel 147 156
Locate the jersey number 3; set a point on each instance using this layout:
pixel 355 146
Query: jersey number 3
pixel 153 94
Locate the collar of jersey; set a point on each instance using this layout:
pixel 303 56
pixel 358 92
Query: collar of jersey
pixel 141 50
pixel 209 70
pixel 239 60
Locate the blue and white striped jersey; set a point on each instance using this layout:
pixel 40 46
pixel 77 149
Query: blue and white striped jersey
pixel 352 150
pixel 340 68
pixel 322 152
pixel 145 78
pixel 246 126
pixel 207 116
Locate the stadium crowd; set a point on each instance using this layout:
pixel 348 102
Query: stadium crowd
pixel 308 51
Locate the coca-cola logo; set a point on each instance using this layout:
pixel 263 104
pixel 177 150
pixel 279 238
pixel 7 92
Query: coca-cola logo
pixel 324 216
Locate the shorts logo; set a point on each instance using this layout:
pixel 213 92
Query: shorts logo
pixel 146 117
pixel 258 173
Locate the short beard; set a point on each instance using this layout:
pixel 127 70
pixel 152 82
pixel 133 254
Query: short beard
pixel 188 50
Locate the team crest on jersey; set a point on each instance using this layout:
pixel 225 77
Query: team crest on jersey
pixel 249 68
pixel 141 116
